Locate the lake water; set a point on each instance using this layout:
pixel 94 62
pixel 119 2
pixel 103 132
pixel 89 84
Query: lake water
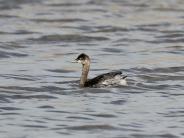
pixel 39 93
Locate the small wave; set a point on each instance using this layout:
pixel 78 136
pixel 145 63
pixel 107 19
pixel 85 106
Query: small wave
pixel 67 38
pixel 91 127
pixel 4 54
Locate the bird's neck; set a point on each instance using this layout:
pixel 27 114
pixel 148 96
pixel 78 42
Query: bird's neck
pixel 84 76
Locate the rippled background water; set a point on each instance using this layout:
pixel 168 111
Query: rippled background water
pixel 39 94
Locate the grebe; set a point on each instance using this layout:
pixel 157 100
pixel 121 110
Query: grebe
pixel 107 79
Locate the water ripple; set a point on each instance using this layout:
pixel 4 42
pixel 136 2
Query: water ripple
pixel 67 38
pixel 91 127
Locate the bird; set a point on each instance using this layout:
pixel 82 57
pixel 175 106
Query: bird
pixel 107 79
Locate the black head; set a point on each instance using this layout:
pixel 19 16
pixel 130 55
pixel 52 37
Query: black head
pixel 83 58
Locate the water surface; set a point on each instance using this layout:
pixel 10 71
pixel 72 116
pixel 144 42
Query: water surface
pixel 39 93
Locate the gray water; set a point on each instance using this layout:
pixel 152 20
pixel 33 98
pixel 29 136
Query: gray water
pixel 39 93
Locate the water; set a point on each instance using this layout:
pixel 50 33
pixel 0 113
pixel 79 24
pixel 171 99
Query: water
pixel 39 94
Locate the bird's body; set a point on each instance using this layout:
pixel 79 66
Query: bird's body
pixel 107 79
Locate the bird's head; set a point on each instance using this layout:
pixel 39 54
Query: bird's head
pixel 83 59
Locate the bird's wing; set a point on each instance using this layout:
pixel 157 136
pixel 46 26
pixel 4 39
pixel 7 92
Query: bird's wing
pixel 102 77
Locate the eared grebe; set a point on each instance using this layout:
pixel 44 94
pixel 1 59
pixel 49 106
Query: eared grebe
pixel 107 79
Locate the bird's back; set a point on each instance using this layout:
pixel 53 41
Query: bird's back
pixel 101 79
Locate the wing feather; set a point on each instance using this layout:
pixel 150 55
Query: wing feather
pixel 102 77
